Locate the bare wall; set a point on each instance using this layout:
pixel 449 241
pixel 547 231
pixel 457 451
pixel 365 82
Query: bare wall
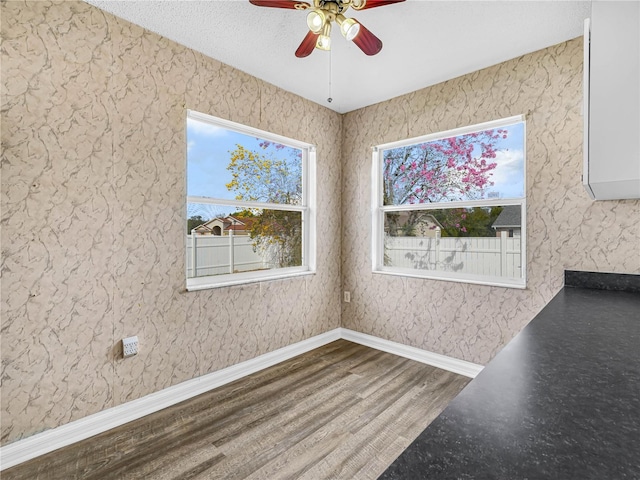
pixel 93 216
pixel 566 230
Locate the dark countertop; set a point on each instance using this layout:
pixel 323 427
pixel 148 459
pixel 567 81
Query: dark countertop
pixel 560 401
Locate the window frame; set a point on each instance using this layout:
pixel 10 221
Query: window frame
pixel 379 209
pixel 307 208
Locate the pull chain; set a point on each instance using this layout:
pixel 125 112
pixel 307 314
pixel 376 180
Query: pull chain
pixel 329 99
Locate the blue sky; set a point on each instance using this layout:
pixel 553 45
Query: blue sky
pixel 208 153
pixel 209 150
pixel 209 147
pixel 508 175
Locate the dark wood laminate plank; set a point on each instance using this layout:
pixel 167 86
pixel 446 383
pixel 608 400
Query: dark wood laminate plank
pixel 177 463
pixel 340 411
pixel 372 449
pixel 306 455
pixel 257 448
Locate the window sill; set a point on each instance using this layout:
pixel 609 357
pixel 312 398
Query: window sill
pixel 474 280
pixel 205 283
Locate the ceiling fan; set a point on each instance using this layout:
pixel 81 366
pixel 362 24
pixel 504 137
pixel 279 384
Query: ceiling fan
pixel 321 16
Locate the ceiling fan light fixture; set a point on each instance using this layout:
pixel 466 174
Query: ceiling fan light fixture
pixel 349 28
pixel 324 39
pixel 320 17
pixel 324 42
pixel 316 20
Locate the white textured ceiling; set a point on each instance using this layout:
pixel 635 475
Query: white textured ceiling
pixel 425 42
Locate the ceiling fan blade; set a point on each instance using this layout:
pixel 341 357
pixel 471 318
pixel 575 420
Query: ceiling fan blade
pixel 295 5
pixel 367 41
pixel 374 3
pixel 307 45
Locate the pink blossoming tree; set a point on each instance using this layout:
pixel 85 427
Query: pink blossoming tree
pixel 446 170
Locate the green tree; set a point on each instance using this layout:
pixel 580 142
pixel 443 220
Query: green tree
pixel 467 222
pixel 272 174
pixel 240 214
pixel 193 222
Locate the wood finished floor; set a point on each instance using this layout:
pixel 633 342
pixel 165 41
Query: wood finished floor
pixel 342 411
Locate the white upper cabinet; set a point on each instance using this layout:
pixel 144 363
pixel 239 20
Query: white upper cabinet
pixel 612 101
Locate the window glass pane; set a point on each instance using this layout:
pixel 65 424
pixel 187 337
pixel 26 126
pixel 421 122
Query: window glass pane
pixel 224 239
pixel 227 165
pixel 473 166
pixel 478 241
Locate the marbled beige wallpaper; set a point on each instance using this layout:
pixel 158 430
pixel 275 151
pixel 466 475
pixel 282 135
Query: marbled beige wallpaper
pixel 92 198
pixel 566 230
pixel 93 214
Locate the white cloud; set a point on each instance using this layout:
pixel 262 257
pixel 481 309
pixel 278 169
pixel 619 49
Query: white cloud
pixel 508 175
pixel 190 145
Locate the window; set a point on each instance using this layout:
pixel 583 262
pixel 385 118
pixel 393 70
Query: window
pixel 451 205
pixel 250 204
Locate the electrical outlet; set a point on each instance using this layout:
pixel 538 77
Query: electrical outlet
pixel 347 296
pixel 129 347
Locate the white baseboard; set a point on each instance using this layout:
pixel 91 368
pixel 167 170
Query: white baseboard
pixel 50 440
pixel 454 365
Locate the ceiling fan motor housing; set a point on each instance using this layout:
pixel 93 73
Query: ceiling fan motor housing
pixel 332 6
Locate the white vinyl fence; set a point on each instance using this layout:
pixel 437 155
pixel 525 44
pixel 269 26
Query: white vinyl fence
pixel 214 255
pixel 491 256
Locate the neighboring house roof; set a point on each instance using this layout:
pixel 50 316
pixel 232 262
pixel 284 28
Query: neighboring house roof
pixel 237 224
pixel 403 217
pixel 203 227
pixel 431 219
pixel 510 217
pixel 206 226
